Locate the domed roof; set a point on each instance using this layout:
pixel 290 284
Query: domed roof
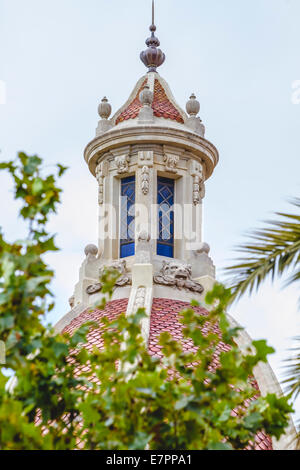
pixel 164 317
pixel 163 105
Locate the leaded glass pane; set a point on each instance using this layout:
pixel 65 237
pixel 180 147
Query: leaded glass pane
pixel 127 229
pixel 165 200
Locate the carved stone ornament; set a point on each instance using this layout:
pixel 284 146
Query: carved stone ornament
pixel 72 301
pixel 143 248
pixel 143 237
pixel 198 189
pixel 178 275
pixel 139 301
pixel 104 108
pixel 193 106
pixel 198 182
pixel 124 279
pixel 145 158
pixel 122 163
pixel 94 288
pixel 145 180
pixel 100 174
pixel 171 162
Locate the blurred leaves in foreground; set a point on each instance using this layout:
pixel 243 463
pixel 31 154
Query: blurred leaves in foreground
pixel 56 402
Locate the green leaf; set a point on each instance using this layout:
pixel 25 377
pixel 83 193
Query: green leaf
pixel 31 165
pixel 262 349
pixel 219 446
pixel 62 169
pixel 253 421
pixel 33 283
pixel 37 186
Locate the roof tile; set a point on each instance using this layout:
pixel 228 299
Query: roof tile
pixel 162 106
pixel 164 317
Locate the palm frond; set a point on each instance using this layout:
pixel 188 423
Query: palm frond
pixel 271 252
pixel 292 371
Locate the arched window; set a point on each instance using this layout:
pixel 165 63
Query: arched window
pixel 127 231
pixel 165 201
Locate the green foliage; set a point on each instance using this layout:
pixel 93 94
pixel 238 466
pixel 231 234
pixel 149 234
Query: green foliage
pixel 274 251
pixel 292 370
pixel 124 399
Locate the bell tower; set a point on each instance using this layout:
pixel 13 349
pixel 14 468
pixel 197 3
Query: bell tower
pixel 150 161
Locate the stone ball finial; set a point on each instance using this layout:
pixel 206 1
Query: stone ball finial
pixel 146 96
pixel 204 248
pixel 193 105
pixel 104 108
pixel 91 250
pixel 144 236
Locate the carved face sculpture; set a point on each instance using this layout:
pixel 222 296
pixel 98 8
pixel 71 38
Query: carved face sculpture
pixel 177 275
pixel 122 163
pixel 177 270
pixel 117 265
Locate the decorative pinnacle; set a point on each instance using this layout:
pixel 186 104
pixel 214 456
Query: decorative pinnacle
pixel 193 105
pixel 104 108
pixel 152 57
pixel 146 96
pixel 153 12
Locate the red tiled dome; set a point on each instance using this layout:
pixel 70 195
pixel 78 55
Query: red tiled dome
pixel 164 317
pixel 162 106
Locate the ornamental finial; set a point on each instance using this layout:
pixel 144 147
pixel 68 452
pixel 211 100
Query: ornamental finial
pixel 104 108
pixel 193 105
pixel 152 57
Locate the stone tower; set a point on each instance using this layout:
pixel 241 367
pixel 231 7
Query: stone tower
pixel 151 161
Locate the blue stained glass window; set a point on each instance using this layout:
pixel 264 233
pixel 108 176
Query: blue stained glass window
pixel 127 232
pixel 165 201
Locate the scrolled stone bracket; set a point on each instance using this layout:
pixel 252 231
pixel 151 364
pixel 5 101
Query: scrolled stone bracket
pixel 145 158
pixel 101 172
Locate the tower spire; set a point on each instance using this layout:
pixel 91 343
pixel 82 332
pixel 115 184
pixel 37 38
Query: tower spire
pixel 153 12
pixel 152 57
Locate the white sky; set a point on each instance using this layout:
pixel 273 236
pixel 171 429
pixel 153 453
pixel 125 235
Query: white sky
pixel 60 57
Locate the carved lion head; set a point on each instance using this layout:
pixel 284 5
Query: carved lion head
pixel 176 270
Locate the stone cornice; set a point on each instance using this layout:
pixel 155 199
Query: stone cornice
pixel 202 149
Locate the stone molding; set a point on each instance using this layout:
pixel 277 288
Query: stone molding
pixel 68 317
pixel 202 150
